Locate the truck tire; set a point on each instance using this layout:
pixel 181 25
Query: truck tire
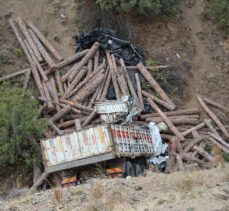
pixel 137 170
pixel 129 170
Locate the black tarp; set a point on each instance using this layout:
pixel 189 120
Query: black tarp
pixel 109 40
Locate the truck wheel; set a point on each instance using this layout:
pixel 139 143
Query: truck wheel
pixel 137 169
pixel 129 171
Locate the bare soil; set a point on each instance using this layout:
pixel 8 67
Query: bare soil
pixel 198 64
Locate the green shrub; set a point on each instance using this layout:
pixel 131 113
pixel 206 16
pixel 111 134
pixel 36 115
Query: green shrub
pixel 219 13
pixel 18 127
pixel 143 7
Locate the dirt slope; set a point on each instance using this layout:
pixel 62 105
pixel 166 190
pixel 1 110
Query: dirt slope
pixel 184 191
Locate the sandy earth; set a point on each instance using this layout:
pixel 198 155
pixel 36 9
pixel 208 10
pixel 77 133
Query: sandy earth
pixel 197 55
pixel 181 191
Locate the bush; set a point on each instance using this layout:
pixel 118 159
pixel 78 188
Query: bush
pixel 219 13
pixel 18 127
pixel 143 7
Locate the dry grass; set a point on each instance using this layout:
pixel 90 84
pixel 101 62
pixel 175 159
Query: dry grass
pixel 97 191
pixel 58 195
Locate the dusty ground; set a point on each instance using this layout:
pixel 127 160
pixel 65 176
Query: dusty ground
pixel 198 59
pixel 180 191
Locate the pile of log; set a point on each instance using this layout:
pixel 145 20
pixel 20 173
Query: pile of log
pixel 68 87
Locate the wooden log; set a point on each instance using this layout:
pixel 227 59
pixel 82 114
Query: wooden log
pixel 213 116
pixel 42 50
pixel 89 67
pixel 45 42
pixel 159 101
pixel 197 127
pixel 223 148
pixel 103 84
pixel 211 127
pixel 76 105
pixel 61 113
pixel 48 97
pixel 89 119
pixel 139 90
pixel 178 121
pixel 28 38
pixel 220 140
pixel 89 88
pixel 189 157
pixel 39 67
pixel 78 125
pixel 32 64
pixel 172 118
pixel 180 163
pixel 66 62
pixel 191 111
pixel 217 105
pixel 59 83
pixel 55 128
pixel 193 143
pixel 39 182
pixel 166 119
pixel 203 153
pixel 113 75
pixel 87 79
pixel 94 96
pixel 13 75
pixel 129 83
pixel 69 123
pixel 106 87
pixel 56 99
pixel 154 84
pixel 70 75
pixel 76 81
pixel 27 77
pixel 96 60
pixel 53 93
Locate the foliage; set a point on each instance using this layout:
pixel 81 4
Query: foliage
pixel 143 7
pixel 18 127
pixel 219 13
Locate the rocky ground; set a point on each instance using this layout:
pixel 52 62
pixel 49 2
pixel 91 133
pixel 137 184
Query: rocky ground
pixel 180 191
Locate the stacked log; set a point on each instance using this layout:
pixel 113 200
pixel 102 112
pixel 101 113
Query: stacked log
pixel 68 87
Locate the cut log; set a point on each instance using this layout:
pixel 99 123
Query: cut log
pixel 129 83
pixel 106 87
pixel 48 97
pixel 89 88
pixel 213 116
pixel 61 113
pixel 100 69
pixel 89 119
pixel 220 140
pixel 154 84
pixel 42 50
pixel 55 128
pixel 157 100
pixel 223 148
pixel 190 111
pixel 166 119
pixel 139 90
pixel 13 75
pixel 39 67
pixel 59 83
pixel 39 182
pixel 103 84
pixel 28 38
pixel 211 127
pixel 67 61
pixel 45 42
pixel 203 153
pixel 183 117
pixel 26 82
pixel 56 99
pixel 217 105
pixel 89 67
pixel 96 60
pixel 32 64
pixel 197 127
pixel 70 75
pixel 180 163
pixel 77 105
pixel 113 75
pixel 76 81
pixel 94 96
pixel 78 125
pixel 193 143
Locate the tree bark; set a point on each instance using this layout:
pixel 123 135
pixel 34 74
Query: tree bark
pixel 18 73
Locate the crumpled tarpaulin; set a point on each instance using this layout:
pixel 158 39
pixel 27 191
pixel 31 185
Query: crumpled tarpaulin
pixel 159 146
pixel 110 41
